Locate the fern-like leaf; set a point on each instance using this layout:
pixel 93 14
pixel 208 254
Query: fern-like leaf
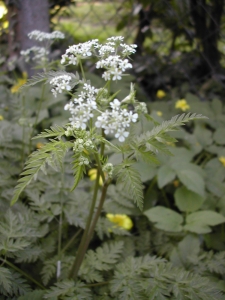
pixel 130 179
pixel 77 290
pixel 55 131
pixel 40 77
pixel 79 171
pixel 51 154
pixel 5 280
pixel 171 125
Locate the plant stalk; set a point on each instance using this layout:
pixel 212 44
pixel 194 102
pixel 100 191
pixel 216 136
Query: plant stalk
pixel 78 259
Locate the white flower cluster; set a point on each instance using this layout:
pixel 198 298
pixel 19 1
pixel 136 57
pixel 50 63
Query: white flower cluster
pixel 83 160
pixel 108 168
pixel 83 106
pixel 114 65
pixel 80 145
pixel 41 36
pixel 61 83
pixel 35 54
pixel 109 58
pixel 116 121
pixel 82 50
pixel 141 108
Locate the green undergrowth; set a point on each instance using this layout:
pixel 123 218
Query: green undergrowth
pixel 176 247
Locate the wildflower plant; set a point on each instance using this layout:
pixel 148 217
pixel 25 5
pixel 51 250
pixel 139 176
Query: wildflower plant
pixel 101 124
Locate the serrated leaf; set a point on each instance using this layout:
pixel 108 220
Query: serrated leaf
pixel 52 154
pixel 6 279
pixel 165 218
pixel 54 131
pixel 130 179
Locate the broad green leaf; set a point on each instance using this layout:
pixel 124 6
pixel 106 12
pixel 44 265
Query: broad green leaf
pixel 192 181
pixel 189 246
pixel 165 175
pixel 165 218
pixel 147 171
pixel 200 221
pixel 219 136
pixel 187 200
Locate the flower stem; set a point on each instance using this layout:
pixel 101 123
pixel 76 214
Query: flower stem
pixel 81 67
pixel 78 260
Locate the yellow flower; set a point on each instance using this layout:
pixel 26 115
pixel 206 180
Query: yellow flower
pixel 20 82
pixel 3 9
pixel 159 113
pixel 160 94
pixel 182 104
pixel 92 173
pixel 1 118
pixel 222 160
pixel 39 145
pixel 121 220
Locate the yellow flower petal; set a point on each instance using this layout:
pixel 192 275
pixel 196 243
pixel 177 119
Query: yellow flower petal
pixel 222 160
pixel 182 104
pixel 1 118
pixel 121 220
pixel 159 113
pixel 39 145
pixel 20 82
pixel 92 173
pixel 160 94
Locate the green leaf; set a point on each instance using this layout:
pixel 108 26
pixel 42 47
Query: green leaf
pixel 192 180
pixel 79 171
pixel 189 246
pixel 147 171
pixel 219 136
pixel 6 279
pixel 130 179
pixel 51 154
pixel 165 218
pixel 35 295
pixel 187 200
pixel 200 221
pixel 55 131
pixel 165 176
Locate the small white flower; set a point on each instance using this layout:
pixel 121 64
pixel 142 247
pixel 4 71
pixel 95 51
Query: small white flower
pixel 121 134
pixel 117 74
pixel 115 104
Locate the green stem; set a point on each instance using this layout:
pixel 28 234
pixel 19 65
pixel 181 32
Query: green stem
pixel 98 212
pixel 78 260
pixel 91 231
pixel 71 241
pixel 37 115
pixel 23 144
pixel 81 67
pixel 23 273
